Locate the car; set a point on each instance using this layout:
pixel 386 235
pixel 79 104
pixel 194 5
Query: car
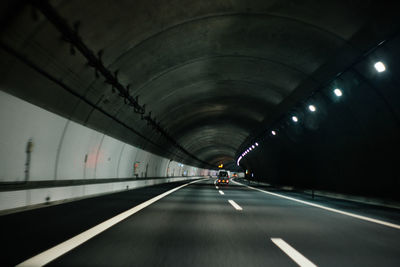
pixel 223 178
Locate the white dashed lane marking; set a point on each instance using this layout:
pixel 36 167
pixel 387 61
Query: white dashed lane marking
pixel 292 253
pixel 234 204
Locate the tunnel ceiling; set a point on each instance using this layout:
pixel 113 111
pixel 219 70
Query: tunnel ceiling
pixel 211 72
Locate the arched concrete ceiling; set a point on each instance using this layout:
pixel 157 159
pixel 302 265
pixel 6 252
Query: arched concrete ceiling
pixel 209 71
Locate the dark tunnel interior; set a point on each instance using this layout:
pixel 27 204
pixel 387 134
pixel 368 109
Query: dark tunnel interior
pixel 201 82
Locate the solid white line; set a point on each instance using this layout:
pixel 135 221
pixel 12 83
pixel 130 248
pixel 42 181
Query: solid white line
pixel 222 193
pixel 57 251
pixel 292 253
pixel 396 226
pixel 234 204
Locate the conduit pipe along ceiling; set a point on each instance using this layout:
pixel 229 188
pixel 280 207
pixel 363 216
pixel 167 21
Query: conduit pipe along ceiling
pixel 206 75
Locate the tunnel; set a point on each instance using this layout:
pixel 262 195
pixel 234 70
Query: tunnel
pixel 201 133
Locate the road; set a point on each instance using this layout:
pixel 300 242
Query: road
pixel 202 225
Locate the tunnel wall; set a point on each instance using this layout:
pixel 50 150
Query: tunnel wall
pixel 61 149
pixel 350 144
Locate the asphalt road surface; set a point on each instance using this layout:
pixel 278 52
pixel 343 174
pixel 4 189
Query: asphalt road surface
pixel 202 225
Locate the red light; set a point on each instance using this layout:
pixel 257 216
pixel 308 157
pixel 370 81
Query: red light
pixel 227 181
pixel 219 181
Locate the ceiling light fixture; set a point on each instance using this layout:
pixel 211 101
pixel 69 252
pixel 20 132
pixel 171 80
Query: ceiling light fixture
pixel 338 92
pixel 312 108
pixel 379 66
